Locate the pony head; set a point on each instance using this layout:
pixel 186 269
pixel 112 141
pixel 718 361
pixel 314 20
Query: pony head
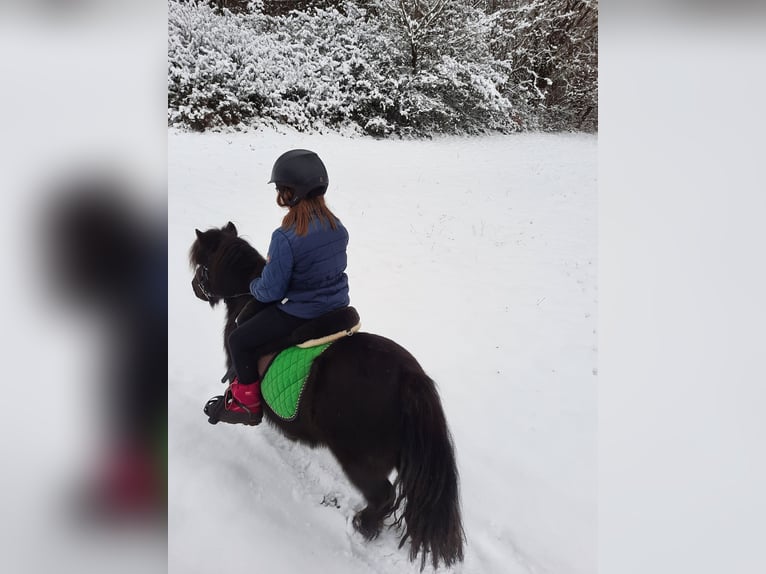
pixel 202 256
pixel 224 264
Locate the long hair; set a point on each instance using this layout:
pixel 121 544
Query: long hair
pixel 302 213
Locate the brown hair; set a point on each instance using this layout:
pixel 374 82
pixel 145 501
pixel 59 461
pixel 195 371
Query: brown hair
pixel 301 214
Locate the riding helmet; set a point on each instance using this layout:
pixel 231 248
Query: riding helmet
pixel 302 171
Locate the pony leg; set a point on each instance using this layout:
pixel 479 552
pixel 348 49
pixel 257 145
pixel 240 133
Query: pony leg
pixel 379 493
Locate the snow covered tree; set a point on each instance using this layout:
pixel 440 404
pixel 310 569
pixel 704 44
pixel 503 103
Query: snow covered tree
pixel 448 78
pixel 283 7
pixel 230 5
pixel 552 48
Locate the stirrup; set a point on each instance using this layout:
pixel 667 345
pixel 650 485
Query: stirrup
pixel 216 411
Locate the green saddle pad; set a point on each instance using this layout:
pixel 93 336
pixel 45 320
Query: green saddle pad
pixel 283 383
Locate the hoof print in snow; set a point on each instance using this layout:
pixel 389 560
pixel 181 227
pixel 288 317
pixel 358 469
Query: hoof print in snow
pixel 330 500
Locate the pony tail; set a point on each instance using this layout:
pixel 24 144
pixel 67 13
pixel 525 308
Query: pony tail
pixel 427 480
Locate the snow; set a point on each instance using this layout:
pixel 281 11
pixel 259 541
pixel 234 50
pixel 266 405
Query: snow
pixel 476 254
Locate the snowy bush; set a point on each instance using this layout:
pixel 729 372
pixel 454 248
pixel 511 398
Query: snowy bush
pixel 401 67
pixel 210 80
pixel 306 70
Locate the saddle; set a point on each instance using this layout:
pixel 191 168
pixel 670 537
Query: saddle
pixel 324 329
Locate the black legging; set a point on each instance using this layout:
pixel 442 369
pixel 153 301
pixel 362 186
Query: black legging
pixel 246 340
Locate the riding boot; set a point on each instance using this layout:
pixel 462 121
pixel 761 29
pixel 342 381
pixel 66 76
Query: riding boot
pixel 241 404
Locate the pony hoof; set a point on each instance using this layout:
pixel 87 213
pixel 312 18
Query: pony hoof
pixel 369 532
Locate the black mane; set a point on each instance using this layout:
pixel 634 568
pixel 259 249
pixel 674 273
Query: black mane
pixel 235 264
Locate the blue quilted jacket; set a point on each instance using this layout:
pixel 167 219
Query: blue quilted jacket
pixel 307 274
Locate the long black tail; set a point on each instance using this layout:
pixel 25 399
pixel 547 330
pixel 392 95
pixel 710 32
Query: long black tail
pixel 427 481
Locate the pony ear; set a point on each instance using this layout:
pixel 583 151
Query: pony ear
pixel 199 234
pixel 230 228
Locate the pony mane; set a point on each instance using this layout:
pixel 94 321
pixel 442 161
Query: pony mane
pixel 234 253
pixel 195 254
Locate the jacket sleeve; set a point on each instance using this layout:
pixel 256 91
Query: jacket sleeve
pixel 275 279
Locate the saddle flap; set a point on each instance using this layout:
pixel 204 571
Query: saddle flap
pixel 285 379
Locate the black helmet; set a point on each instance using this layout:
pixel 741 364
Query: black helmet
pixel 302 171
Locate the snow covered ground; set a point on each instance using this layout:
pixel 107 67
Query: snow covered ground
pixel 476 254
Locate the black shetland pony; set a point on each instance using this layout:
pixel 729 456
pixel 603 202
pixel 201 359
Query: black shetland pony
pixel 369 401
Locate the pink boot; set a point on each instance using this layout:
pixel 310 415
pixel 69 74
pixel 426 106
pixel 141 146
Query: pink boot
pixel 241 404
